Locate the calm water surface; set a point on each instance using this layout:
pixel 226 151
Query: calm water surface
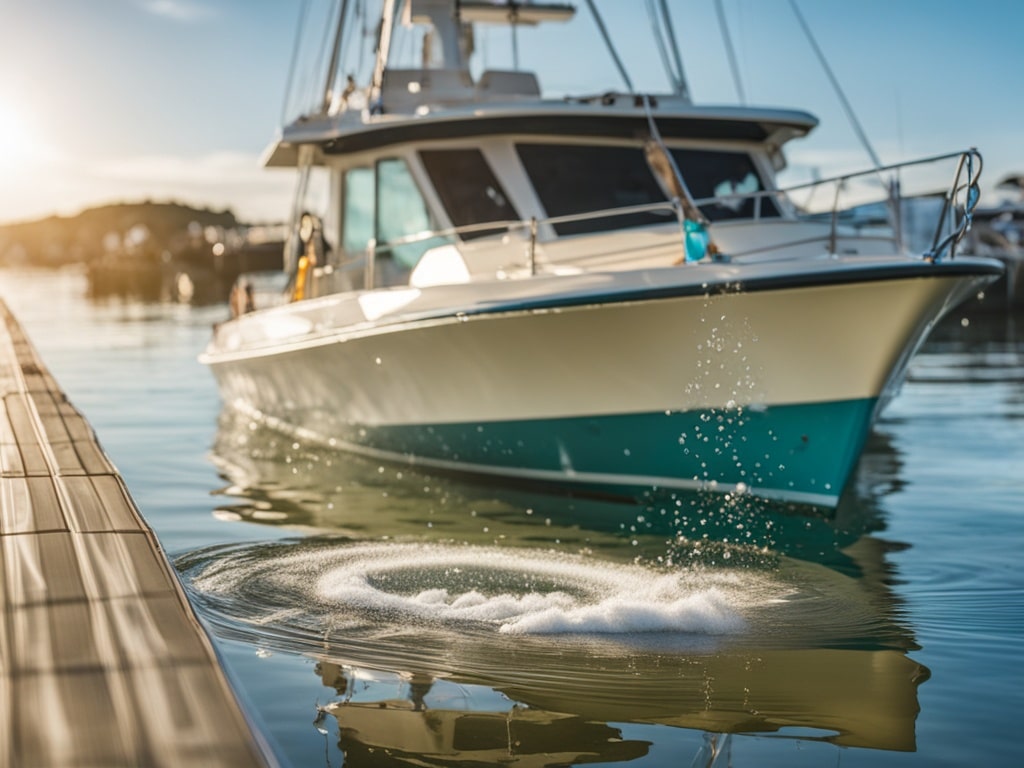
pixel 375 616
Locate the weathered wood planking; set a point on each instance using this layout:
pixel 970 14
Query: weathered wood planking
pixel 102 661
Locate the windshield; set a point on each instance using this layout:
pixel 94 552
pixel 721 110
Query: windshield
pixel 574 179
pixel 468 188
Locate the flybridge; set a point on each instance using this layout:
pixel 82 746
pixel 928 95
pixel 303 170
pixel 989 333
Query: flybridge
pixel 434 45
pixel 452 21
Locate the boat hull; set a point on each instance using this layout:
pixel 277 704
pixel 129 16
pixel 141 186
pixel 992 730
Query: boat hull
pixel 770 392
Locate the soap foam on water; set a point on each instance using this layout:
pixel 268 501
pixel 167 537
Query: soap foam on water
pixel 368 596
pixel 578 596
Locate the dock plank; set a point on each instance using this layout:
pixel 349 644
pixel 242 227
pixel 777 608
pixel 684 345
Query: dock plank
pixel 102 660
pixel 30 505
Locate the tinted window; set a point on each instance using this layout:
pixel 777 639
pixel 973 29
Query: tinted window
pixel 400 211
pixel 468 188
pixel 715 173
pixel 581 179
pixel 357 212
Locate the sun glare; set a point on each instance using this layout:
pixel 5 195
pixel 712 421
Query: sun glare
pixel 16 143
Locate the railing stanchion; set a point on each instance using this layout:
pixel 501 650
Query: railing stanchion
pixel 677 205
pixel 371 258
pixel 531 254
pixel 833 234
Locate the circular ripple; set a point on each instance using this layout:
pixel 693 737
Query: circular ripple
pixel 445 604
pixel 510 591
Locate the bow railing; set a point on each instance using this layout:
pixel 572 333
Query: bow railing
pixel 952 223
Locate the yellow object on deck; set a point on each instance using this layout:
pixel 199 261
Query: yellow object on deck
pixel 301 277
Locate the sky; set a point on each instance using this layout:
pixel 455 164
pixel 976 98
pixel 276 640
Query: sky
pixel 124 100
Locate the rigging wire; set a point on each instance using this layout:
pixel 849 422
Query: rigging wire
pixel 290 82
pixel 351 29
pixel 850 114
pixel 730 51
pixel 364 35
pixel 611 48
pixel 662 50
pixel 315 97
pixel 681 87
pixel 332 67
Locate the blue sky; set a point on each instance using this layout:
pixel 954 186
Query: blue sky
pixel 105 100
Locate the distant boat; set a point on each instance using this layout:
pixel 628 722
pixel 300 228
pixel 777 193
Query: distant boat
pixel 998 232
pixel 604 295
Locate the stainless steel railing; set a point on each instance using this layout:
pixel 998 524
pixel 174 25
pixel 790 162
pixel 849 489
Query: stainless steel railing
pixel 959 203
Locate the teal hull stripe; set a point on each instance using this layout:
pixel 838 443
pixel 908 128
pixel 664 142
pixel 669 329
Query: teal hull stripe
pixel 790 452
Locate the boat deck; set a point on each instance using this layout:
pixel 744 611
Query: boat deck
pixel 102 661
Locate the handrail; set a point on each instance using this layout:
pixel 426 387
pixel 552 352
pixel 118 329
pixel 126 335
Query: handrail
pixel 962 196
pixel 842 178
pixel 513 224
pixel 971 196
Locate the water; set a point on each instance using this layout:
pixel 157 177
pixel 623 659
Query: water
pixel 375 616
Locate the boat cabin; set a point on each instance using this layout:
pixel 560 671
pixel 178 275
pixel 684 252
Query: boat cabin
pixel 433 175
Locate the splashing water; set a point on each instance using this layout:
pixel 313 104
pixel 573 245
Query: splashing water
pixel 516 592
pixel 532 594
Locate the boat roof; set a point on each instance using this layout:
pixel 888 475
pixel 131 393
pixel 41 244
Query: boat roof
pixel 614 116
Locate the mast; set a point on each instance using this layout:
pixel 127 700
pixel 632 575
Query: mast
pixel 332 68
pixel 387 25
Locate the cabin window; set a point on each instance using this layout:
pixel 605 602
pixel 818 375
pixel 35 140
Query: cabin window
pixel 571 179
pixel 468 188
pixel 580 179
pixel 357 214
pixel 719 173
pixel 356 228
pixel 401 212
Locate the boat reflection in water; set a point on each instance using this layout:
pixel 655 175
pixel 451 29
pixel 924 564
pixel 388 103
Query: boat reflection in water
pixel 460 623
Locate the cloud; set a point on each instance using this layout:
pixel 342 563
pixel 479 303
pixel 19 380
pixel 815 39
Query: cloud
pixel 178 10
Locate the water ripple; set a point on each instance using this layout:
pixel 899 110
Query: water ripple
pixel 340 592
pixel 516 592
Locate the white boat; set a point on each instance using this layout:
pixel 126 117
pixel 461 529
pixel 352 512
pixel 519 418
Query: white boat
pixel 602 295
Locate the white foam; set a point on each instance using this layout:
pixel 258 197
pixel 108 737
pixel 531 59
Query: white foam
pixel 707 612
pixel 579 595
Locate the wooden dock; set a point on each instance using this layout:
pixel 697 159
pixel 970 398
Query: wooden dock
pixel 102 660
